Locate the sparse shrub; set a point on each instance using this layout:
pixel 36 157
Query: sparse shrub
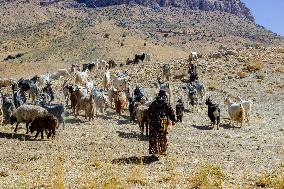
pixel 270 91
pixel 241 74
pixel 113 183
pixel 270 180
pixel 255 65
pixel 279 69
pixel 212 86
pixel 281 86
pixel 209 176
pixel 121 44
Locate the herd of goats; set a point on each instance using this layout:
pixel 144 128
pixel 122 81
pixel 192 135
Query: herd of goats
pixel 42 114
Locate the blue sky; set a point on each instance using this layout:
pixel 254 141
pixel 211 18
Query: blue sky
pixel 268 13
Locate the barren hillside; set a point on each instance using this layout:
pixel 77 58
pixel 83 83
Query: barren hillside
pixel 60 34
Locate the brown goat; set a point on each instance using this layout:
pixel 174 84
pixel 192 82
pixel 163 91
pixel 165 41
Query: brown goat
pixel 85 103
pixel 141 111
pixel 43 123
pixel 120 102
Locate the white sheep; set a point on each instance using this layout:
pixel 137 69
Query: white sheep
pixel 26 114
pixel 247 104
pixel 236 111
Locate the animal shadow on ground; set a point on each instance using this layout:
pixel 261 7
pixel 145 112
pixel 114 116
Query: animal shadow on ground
pixel 21 137
pixel 105 117
pixel 187 111
pixel 132 135
pixel 123 121
pixel 202 127
pixel 136 160
pixel 228 126
pixel 67 113
pixel 74 120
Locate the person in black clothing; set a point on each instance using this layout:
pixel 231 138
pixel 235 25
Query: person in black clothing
pixel 159 114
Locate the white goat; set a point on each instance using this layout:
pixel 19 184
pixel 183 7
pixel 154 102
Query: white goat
pixel 193 56
pixel 247 104
pixel 236 111
pixel 107 80
pixel 100 101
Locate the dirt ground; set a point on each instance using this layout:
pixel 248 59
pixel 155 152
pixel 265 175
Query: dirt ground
pixel 111 153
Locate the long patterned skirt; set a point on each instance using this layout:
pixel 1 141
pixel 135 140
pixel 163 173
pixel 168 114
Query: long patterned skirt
pixel 158 139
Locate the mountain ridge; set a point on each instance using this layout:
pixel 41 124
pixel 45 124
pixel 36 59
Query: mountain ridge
pixel 235 7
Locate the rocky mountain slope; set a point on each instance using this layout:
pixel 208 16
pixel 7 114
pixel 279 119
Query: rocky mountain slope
pixel 61 33
pixel 235 7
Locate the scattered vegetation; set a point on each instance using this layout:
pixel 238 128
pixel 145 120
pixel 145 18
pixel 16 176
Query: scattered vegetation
pixel 208 176
pixel 255 65
pixel 241 74
pixel 212 86
pixel 273 180
pixel 280 69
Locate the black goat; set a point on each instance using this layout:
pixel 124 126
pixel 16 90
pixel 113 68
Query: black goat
pixel 213 112
pixel 179 110
pixel 139 57
pixel 89 66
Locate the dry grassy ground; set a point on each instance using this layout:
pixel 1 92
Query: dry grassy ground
pixel 107 153
pixel 111 153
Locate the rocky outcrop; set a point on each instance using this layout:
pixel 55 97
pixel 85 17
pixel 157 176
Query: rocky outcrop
pixel 235 7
